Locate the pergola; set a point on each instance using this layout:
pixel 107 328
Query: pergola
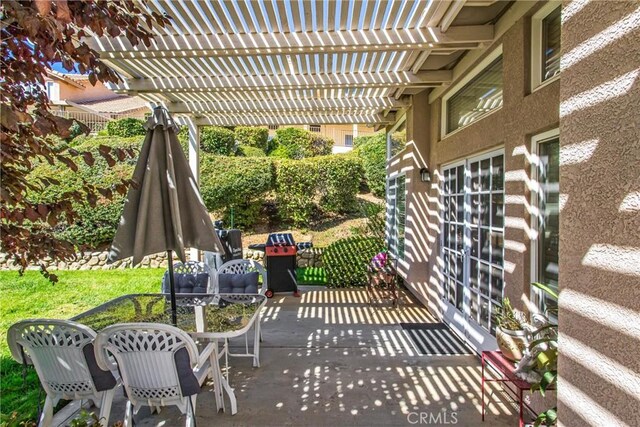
pixel 298 62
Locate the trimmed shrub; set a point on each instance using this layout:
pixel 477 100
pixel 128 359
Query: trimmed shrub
pixel 320 145
pixel 217 140
pixel 249 151
pixel 295 143
pixel 296 183
pixel 238 182
pixel 125 127
pixel 291 143
pixel 95 225
pixel 372 150
pixel 345 261
pixel 252 136
pixel 339 182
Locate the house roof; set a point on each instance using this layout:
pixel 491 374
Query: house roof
pixel 118 104
pixel 264 62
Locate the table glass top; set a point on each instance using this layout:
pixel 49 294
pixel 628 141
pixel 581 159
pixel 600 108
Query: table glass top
pixel 222 314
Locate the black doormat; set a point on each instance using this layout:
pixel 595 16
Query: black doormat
pixel 435 339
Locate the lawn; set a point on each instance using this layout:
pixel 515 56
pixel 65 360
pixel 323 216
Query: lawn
pixel 32 296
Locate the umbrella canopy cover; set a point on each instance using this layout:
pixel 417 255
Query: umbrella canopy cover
pixel 164 210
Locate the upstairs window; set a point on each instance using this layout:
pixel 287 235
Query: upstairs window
pixel 348 140
pixel 476 98
pixel 273 127
pixel 545 44
pixel 314 128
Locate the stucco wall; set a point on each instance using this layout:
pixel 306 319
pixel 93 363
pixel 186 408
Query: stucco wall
pixel 599 365
pixel 522 115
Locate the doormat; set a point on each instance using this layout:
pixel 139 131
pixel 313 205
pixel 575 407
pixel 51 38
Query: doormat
pixel 435 339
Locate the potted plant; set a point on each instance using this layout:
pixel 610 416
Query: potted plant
pixel 510 332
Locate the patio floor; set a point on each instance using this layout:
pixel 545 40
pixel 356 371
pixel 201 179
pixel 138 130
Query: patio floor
pixel 329 358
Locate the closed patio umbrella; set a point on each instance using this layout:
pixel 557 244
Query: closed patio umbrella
pixel 164 211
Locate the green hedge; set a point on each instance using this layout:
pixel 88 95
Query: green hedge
pixel 345 261
pixel 217 140
pixel 249 151
pixel 372 150
pixel 95 225
pixel 252 136
pixel 296 183
pixel 241 183
pixel 296 143
pixel 339 182
pixel 125 127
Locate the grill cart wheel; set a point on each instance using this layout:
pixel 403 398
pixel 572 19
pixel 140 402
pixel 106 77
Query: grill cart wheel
pixel 269 293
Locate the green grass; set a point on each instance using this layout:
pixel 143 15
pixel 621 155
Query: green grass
pixel 32 296
pixel 311 276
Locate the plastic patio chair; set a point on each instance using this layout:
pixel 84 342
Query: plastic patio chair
pixel 244 266
pixel 62 353
pixel 160 366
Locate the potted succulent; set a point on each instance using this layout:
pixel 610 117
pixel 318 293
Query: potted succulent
pixel 510 331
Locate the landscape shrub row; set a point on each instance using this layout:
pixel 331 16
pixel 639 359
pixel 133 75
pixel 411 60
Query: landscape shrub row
pixel 372 150
pixel 345 260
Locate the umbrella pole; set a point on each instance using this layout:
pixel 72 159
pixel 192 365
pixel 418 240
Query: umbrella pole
pixel 172 285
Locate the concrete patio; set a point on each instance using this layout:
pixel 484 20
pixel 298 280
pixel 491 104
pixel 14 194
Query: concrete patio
pixel 329 358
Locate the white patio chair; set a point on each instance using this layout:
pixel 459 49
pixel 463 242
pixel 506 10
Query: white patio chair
pixel 62 353
pixel 244 266
pixel 160 366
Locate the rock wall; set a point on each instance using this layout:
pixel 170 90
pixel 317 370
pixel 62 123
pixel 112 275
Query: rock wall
pixel 311 257
pixel 89 261
pixel 98 261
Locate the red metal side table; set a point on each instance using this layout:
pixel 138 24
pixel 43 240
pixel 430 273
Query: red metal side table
pixel 506 369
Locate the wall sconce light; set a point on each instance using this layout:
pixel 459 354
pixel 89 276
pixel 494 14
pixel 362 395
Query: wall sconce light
pixel 425 175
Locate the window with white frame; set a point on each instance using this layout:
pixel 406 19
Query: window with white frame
pixel 546 200
pixel 475 96
pixel 397 138
pixel 314 128
pixel 348 140
pixel 396 215
pixel 53 91
pixel 545 44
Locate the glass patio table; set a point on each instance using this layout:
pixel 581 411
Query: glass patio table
pixel 203 316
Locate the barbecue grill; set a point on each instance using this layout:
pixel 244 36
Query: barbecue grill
pixel 280 259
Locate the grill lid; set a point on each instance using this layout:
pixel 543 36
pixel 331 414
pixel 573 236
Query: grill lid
pixel 280 239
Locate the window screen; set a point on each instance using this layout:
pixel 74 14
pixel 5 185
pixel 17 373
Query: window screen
pixel 479 96
pixel 314 128
pixel 551 45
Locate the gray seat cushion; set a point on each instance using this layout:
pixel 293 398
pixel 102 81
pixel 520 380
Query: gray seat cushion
pixel 238 283
pixel 186 283
pixel 188 381
pixel 103 380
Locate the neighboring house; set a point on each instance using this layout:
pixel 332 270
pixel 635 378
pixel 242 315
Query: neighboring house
pixel 342 135
pixel 73 96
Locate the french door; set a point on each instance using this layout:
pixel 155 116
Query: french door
pixel 473 247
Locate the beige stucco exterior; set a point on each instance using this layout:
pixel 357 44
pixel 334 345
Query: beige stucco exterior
pixel 337 132
pixel 599 319
pixel 598 95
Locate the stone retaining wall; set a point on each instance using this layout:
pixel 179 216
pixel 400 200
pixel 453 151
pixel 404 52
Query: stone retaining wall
pixel 98 261
pixel 311 257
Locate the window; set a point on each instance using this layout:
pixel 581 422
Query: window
pixel 545 44
pixel 396 215
pixel 273 127
pixel 348 140
pixel 314 128
pixel 547 200
pixel 476 98
pixel 397 138
pixel 53 91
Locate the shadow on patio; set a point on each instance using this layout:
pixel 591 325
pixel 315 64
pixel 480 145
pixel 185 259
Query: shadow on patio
pixel 329 358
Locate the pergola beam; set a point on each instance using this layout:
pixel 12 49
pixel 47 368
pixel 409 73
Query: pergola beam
pixel 293 43
pixel 421 79
pixel 306 119
pixel 336 104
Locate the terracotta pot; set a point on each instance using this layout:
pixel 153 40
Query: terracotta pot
pixel 511 343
